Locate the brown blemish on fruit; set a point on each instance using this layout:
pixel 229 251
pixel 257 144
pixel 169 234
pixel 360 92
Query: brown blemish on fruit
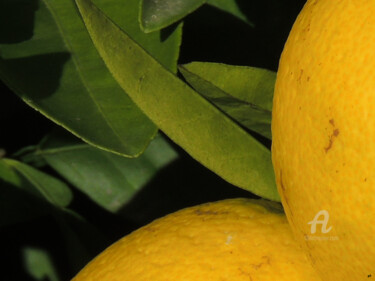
pixel 311 258
pixel 305 30
pixel 281 181
pixel 150 229
pixel 332 137
pixel 300 76
pixel 243 272
pixel 285 196
pixel 267 261
pixel 200 212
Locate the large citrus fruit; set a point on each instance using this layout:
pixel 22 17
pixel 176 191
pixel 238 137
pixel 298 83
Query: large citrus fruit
pixel 323 132
pixel 235 239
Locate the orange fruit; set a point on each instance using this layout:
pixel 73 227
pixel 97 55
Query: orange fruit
pixel 323 129
pixel 234 239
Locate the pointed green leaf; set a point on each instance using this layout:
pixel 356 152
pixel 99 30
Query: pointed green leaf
pixel 26 193
pixel 157 14
pixel 244 93
pixel 230 6
pixel 35 182
pixel 39 264
pixel 108 179
pixel 16 204
pixel 186 117
pixel 48 59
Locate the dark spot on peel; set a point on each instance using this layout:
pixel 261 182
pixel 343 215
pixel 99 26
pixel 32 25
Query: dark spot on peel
pixel 243 272
pixel 285 196
pixel 200 212
pixel 150 229
pixel 281 181
pixel 332 137
pixel 311 258
pixel 267 261
pixel 300 76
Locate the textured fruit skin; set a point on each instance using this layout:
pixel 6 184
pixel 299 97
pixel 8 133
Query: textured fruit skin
pixel 234 239
pixel 323 129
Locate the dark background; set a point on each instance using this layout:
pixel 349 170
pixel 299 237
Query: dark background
pixel 209 35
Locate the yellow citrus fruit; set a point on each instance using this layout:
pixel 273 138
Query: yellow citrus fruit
pixel 234 239
pixel 323 132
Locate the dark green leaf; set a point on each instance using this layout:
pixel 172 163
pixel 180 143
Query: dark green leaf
pixel 157 14
pixel 48 59
pixel 35 182
pixel 108 179
pixel 244 93
pixel 39 265
pixel 26 193
pixel 17 205
pixel 230 6
pixel 186 117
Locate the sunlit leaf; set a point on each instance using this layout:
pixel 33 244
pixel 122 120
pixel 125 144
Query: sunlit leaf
pixel 185 116
pixel 244 93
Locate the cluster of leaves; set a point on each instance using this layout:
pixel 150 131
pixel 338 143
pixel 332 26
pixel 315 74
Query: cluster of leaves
pixel 108 72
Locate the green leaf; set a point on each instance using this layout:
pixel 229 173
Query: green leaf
pixel 26 193
pixel 108 179
pixel 184 115
pixel 157 14
pixel 39 264
pixel 230 6
pixel 48 59
pixel 35 182
pixel 244 93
